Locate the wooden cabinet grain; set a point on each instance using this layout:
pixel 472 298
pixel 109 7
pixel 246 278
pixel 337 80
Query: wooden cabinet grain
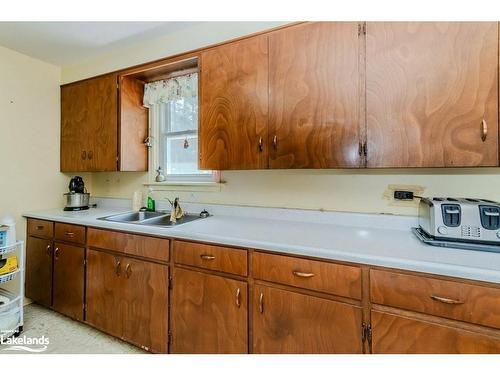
pixel 234 105
pixel 432 94
pixel 68 280
pixel 209 314
pixel 38 284
pixel 314 98
pixel 289 322
pixel 128 298
pixel 394 334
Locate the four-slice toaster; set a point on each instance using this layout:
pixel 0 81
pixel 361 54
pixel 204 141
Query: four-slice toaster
pixel 462 219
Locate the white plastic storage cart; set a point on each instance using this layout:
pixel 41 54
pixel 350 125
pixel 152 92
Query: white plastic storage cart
pixel 12 292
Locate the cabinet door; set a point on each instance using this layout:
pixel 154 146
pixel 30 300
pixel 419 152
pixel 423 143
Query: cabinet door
pixel 289 322
pixel 234 102
pixel 393 334
pixel 105 300
pixel 89 125
pixel 145 313
pixel 69 276
pixel 38 284
pixel 314 96
pixel 209 314
pixel 432 94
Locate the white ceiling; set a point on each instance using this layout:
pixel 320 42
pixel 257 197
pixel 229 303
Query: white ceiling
pixel 65 43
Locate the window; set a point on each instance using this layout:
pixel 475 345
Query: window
pixel 173 108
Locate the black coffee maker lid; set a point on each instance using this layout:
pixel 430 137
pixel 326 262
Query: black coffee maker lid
pixel 76 185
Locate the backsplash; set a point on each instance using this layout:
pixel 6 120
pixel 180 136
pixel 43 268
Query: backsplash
pixel 332 190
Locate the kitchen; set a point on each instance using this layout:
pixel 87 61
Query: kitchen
pixel 319 187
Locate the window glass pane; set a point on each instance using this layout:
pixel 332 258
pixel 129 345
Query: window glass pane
pixel 180 160
pixel 181 115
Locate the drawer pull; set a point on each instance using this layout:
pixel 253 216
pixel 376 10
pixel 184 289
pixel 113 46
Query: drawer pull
pixel 448 301
pixel 128 271
pixel 39 227
pixel 238 295
pixel 207 257
pixel 261 303
pixel 305 275
pixel 69 234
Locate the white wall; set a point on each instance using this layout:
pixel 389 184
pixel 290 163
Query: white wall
pixel 29 136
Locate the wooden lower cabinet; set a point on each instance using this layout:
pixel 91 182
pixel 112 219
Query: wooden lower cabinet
pixel 290 322
pixel 209 314
pixel 128 298
pixel 392 334
pixel 38 285
pixel 68 280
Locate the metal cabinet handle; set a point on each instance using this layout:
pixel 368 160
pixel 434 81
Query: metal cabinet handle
pixel 56 253
pixel 238 297
pixel 48 249
pixel 261 303
pixel 207 257
pixel 84 154
pixel 117 268
pixel 275 142
pixel 90 155
pixel 305 275
pixel 261 146
pixel 128 271
pixel 448 301
pixel 69 234
pixel 484 130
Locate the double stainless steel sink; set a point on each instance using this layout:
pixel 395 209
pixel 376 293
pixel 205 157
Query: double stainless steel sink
pixel 158 219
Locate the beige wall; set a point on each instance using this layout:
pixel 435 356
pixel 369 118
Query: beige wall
pixel 361 191
pixel 29 136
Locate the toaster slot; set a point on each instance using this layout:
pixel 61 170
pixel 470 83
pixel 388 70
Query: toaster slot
pixel 490 217
pixel 451 214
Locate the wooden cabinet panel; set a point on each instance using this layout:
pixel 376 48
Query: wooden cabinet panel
pixel 38 283
pixel 133 125
pixel 132 244
pixel 106 304
pixel 393 334
pixel 234 105
pixel 209 314
pixel 429 86
pixel 217 258
pixel 449 299
pixel 145 291
pixel 314 96
pixel 68 280
pixel 89 125
pixel 70 233
pixel 320 276
pixel 288 322
pixel 41 228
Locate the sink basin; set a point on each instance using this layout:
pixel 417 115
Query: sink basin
pixel 159 219
pixel 132 217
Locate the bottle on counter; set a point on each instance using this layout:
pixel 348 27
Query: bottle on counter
pixel 151 204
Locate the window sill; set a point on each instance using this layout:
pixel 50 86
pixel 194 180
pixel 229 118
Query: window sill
pixel 185 186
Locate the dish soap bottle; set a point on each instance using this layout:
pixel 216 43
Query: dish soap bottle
pixel 151 204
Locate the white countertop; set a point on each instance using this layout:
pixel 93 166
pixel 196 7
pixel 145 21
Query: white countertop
pixel 381 240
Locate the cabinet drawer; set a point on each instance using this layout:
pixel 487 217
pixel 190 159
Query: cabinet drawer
pixel 70 233
pixel 41 228
pixel 321 276
pixel 132 244
pixel 448 299
pixel 217 258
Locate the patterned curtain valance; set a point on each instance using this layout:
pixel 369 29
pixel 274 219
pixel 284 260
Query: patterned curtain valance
pixel 163 91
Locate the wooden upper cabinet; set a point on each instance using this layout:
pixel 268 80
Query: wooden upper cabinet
pixel 314 96
pixel 89 130
pixel 432 94
pixel 234 105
